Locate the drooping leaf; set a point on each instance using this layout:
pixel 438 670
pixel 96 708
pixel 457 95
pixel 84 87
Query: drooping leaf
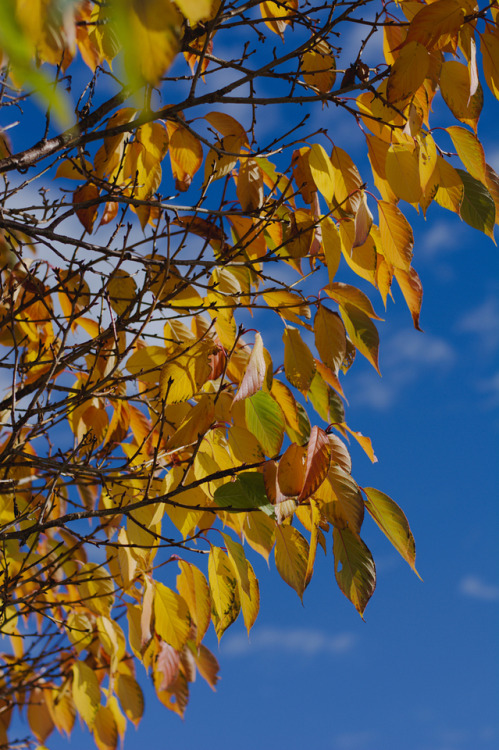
pixel 393 523
pixel 362 332
pixel 330 338
pixel 291 557
pixel 353 568
pixel 470 151
pixel 254 375
pixel 299 363
pixel 86 692
pixel 477 207
pixel 318 462
pixel 172 620
pixel 193 588
pixel 396 235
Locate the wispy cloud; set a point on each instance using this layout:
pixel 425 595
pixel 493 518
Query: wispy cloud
pixel 440 239
pixel 299 641
pixel 404 358
pixel 483 323
pixel 476 588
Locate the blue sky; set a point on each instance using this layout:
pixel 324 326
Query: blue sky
pixel 422 672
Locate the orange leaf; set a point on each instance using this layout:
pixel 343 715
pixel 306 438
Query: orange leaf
pixel 318 462
pixel 86 214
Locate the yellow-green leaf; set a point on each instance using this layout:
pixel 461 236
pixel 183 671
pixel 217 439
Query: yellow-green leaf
pixel 330 338
pixel 470 151
pixel 291 557
pixel 299 364
pixel 353 568
pixel 362 332
pixel 393 523
pixel 265 420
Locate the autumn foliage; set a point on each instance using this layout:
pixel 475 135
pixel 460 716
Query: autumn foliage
pixel 174 326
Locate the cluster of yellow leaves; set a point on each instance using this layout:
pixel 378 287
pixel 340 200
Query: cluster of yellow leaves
pixel 204 423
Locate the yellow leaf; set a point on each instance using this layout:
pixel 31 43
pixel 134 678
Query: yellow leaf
pixel 130 696
pixel 291 557
pixel 254 374
pixel 186 154
pixel 299 363
pixel 149 33
pixel 362 332
pixel 322 171
pixel 347 181
pixel 470 151
pixel 196 10
pixel 396 236
pixel 224 598
pixel 288 304
pixel 330 338
pixel 345 293
pixel 450 186
pixel 408 72
pixel 455 86
pixel 275 14
pixel 402 172
pixel 489 45
pixel 192 586
pixel 250 184
pixel 393 523
pixel 227 125
pixel 96 588
pixel 354 568
pixel 86 692
pixel 332 246
pixel 39 718
pixel 122 289
pixel 412 289
pixel 172 620
pixel 86 214
pixel 437 25
pixel 318 67
pixel 427 160
pixel 105 730
pixel 291 470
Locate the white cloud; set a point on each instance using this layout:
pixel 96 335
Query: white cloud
pixel 438 240
pixel 299 641
pixel 483 323
pixel 476 588
pixel 404 358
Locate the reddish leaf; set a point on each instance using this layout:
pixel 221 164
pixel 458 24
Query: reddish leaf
pixel 318 462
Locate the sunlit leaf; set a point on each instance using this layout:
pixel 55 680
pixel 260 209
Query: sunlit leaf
pixel 354 568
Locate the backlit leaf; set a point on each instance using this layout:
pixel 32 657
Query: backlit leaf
pixel 353 568
pixel 322 171
pixel 172 620
pixel 470 151
pixel 408 72
pixel 318 462
pixel 362 332
pixel 225 602
pixel 86 692
pixel 396 235
pixel 455 85
pixel 437 24
pixel 246 492
pixel 291 557
pixel 393 523
pixel 330 338
pixel 402 172
pixel 489 45
pixel 254 375
pixel 299 363
pixel 477 207
pixel 265 421
pixel 193 588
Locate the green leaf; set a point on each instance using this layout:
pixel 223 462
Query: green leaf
pixel 393 523
pixel 477 207
pixel 354 568
pixel 248 491
pixel 265 421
